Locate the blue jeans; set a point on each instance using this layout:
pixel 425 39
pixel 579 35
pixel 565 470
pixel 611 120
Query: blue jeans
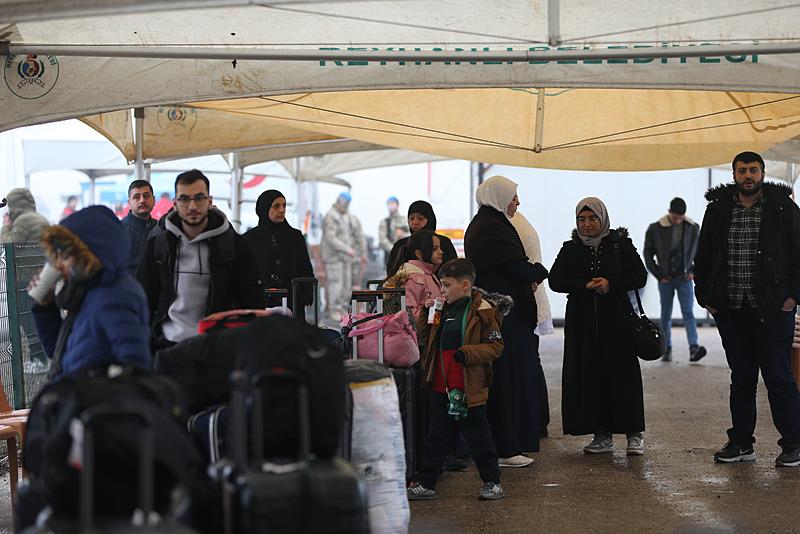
pixel 685 289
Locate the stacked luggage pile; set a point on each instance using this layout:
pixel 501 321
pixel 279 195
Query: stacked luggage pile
pixel 260 424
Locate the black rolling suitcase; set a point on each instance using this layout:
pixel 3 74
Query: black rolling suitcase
pixel 144 518
pixel 282 495
pixel 405 378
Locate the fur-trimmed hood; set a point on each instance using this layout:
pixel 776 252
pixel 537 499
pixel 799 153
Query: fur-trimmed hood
pixel 95 237
pixel 502 302
pixel 664 221
pixel 615 233
pixel 724 192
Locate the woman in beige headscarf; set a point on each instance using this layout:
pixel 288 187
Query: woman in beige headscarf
pixel 601 381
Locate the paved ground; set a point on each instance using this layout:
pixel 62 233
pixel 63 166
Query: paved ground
pixel 675 487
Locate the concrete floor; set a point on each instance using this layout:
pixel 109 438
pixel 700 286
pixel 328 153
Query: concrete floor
pixel 674 487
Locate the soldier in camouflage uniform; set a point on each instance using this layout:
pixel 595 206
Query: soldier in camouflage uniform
pixel 343 251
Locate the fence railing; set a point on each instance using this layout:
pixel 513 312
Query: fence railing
pixel 23 363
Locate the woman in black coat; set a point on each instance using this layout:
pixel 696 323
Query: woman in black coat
pixel 280 250
pixel 496 251
pixel 420 217
pixel 601 382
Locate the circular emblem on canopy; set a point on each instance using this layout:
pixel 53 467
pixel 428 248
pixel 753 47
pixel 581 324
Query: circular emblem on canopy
pixel 31 76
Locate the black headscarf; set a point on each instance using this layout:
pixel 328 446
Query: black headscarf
pixel 264 203
pixel 426 210
pixel 279 249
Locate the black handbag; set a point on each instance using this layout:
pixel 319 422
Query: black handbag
pixel 649 342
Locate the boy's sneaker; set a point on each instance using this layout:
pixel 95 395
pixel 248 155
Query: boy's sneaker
pixel 491 491
pixel 635 444
pixel 734 453
pixel 697 353
pixel 515 461
pixel 790 457
pixel 667 357
pixel 418 492
pixel 601 443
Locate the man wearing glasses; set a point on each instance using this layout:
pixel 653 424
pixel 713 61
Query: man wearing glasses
pixel 195 266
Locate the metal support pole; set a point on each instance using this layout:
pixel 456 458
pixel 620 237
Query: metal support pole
pixel 553 22
pixel 513 56
pixel 299 205
pixel 17 375
pixel 92 189
pixel 537 140
pixel 138 120
pixel 236 191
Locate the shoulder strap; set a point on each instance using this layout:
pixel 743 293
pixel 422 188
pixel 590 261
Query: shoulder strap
pixel 161 248
pixel 389 228
pixel 61 342
pixel 226 246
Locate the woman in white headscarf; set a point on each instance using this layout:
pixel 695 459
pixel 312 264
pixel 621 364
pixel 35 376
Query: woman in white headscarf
pixel 601 380
pixel 530 242
pixel 496 251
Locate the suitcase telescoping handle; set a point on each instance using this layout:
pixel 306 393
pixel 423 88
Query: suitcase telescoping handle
pixel 377 296
pixel 247 387
pixel 298 309
pixel 277 292
pixel 90 417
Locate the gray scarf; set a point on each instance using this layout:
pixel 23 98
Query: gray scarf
pixel 598 208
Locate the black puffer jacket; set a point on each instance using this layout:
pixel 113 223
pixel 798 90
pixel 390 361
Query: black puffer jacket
pixel 235 277
pixel 778 265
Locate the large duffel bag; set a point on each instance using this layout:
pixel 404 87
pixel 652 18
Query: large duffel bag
pixel 203 365
pixel 55 437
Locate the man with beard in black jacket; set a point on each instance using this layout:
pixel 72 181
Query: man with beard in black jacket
pixel 196 265
pixel 747 275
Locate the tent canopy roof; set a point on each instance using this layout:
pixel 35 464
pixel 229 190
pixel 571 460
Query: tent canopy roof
pixel 672 112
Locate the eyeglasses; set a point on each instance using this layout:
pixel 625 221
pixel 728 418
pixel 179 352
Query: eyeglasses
pixel 593 218
pixel 184 200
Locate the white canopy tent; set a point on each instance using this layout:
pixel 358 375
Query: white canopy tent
pixel 526 82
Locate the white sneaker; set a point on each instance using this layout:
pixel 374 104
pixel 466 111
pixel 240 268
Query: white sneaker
pixel 601 443
pixel 515 461
pixel 635 444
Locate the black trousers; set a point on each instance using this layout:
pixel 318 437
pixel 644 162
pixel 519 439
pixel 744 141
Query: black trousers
pixel 443 432
pixel 750 345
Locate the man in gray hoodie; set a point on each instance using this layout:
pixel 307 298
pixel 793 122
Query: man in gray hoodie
pixel 195 265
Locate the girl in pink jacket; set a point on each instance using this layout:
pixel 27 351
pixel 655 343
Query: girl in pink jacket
pixel 421 257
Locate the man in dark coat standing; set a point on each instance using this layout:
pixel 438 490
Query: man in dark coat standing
pixel 196 265
pixel 669 248
pixel 747 275
pixel 138 221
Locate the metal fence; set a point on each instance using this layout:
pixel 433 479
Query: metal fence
pixel 23 364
